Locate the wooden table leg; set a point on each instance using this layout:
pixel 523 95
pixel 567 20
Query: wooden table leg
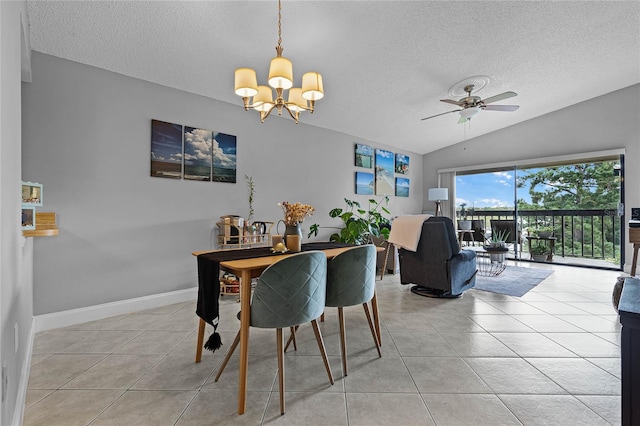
pixel 376 317
pixel 245 318
pixel 201 328
pixel 386 256
pixel 636 246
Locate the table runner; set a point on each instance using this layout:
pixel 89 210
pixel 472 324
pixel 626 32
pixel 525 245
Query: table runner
pixel 207 306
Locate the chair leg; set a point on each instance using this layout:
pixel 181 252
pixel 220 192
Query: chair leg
pixel 227 357
pixel 376 316
pixel 372 328
pixel 280 368
pixel 292 338
pixel 343 340
pixel 201 327
pixel 323 351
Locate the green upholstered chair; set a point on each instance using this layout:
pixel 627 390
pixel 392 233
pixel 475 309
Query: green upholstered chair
pixel 288 293
pixel 351 280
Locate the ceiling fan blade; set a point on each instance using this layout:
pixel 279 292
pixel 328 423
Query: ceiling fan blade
pixel 501 96
pixel 451 101
pixel 509 108
pixel 438 115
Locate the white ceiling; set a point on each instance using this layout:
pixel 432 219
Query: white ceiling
pixel 385 64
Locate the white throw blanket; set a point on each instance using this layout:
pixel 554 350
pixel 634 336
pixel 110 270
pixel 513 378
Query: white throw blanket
pixel 406 230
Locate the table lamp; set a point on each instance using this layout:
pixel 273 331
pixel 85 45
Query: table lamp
pixel 438 195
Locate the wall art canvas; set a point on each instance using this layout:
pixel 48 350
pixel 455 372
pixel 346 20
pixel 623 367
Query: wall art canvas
pixel 402 187
pixel 197 153
pixel 365 183
pixel 384 172
pixel 166 149
pixel 364 156
pixel 224 158
pixel 402 164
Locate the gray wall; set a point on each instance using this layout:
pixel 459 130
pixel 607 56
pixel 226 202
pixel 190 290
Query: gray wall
pixel 16 289
pixel 606 122
pixel 124 234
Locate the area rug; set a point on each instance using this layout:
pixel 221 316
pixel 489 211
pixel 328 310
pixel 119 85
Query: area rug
pixel 514 281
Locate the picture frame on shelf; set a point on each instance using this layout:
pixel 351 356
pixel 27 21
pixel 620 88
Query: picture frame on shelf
pixel 28 218
pixel 31 194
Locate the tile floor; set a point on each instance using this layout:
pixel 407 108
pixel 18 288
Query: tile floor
pixel 551 357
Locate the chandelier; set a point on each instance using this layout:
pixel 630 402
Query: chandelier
pixel 280 79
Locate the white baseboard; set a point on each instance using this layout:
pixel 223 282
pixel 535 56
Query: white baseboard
pixel 21 398
pixel 106 310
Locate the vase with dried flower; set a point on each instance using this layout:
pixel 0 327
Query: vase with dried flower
pixel 294 215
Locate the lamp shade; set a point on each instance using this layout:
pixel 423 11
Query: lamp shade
pixel 296 101
pixel 438 194
pixel 312 88
pixel 246 83
pixel 281 73
pixel 263 100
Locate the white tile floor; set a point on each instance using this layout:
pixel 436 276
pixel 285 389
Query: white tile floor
pixel 551 357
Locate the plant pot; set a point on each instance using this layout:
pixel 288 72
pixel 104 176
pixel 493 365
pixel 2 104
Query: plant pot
pixel 539 257
pixel 464 225
pixel 545 234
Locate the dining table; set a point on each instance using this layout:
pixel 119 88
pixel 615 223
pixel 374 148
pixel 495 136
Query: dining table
pixel 247 268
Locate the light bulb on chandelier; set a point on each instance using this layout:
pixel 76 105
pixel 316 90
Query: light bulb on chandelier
pixel 281 79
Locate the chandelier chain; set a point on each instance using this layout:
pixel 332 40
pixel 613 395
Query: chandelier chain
pixel 279 24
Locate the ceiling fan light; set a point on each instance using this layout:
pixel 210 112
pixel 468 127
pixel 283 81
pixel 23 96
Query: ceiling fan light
pixel 263 101
pixel 296 102
pixel 469 113
pixel 246 82
pixel 312 87
pixel 281 73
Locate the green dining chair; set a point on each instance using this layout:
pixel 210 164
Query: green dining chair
pixel 288 293
pixel 351 280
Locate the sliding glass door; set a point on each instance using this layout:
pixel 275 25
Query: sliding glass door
pixel 570 211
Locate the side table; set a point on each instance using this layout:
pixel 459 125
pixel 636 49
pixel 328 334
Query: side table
pixel 551 241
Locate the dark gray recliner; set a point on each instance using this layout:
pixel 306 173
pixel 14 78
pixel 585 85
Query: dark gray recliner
pixel 438 267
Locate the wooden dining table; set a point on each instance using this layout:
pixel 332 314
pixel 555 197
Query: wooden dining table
pixel 247 269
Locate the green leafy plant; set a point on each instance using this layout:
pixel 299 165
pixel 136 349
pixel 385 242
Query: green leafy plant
pixel 360 225
pixel 540 249
pixel 251 187
pixel 498 238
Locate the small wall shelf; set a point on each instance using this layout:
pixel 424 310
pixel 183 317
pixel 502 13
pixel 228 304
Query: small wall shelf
pixel 45 226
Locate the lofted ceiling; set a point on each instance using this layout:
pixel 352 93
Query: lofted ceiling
pixel 385 64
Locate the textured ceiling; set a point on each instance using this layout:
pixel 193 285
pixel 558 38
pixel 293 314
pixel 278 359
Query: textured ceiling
pixel 385 64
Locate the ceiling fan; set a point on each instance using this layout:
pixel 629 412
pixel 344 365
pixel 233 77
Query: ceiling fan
pixel 470 106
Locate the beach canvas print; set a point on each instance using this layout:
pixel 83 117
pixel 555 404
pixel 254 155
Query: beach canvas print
pixel 402 187
pixel 402 164
pixel 364 183
pixel 197 153
pixel 384 172
pixel 166 149
pixel 224 158
pixel 364 156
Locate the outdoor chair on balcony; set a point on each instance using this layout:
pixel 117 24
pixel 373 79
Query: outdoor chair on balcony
pixel 507 228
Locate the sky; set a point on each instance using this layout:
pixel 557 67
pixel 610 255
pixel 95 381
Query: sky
pixel 493 189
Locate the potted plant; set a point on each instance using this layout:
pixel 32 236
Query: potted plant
pixel 497 247
pixel 540 252
pixel 463 223
pixel 544 232
pixel 360 225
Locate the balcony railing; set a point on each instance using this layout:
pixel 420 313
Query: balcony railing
pixel 586 234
